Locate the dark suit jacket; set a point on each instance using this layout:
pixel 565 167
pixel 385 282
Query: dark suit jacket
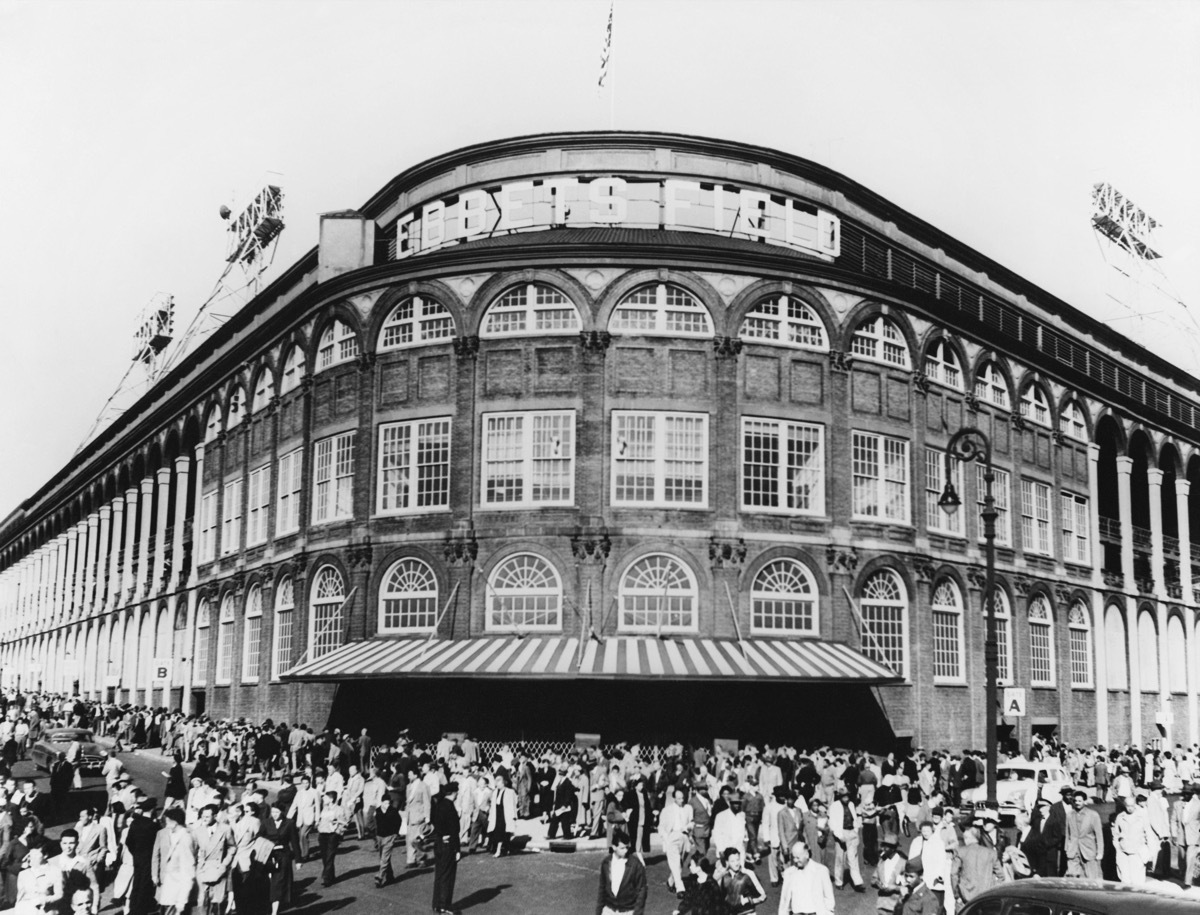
pixel 921 901
pixel 631 895
pixel 701 819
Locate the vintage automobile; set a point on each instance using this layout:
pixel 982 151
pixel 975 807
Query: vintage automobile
pixel 58 740
pixel 1016 784
pixel 1074 896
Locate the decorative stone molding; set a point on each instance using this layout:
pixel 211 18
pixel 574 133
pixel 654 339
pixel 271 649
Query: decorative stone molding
pixel 1016 420
pixel 727 347
pixel 726 552
pixel 1062 596
pixel 366 361
pixel 460 549
pixel 923 566
pixel 595 341
pixel 1114 580
pixel 591 547
pixel 1059 438
pixel 920 383
pixel 842 560
pixel 466 347
pixel 359 555
pixel 1145 586
pixel 977 577
pixel 274 404
pixel 1023 585
pixel 840 361
pixel 972 402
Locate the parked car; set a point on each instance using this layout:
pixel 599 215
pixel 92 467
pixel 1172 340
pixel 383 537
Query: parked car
pixel 58 740
pixel 1074 896
pixel 1016 780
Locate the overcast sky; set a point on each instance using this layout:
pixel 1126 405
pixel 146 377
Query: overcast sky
pixel 125 126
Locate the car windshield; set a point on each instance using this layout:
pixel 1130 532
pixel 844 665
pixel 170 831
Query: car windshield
pixel 69 736
pixel 1014 775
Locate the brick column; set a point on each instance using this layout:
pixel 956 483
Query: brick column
pixel 196 517
pixel 160 529
pixel 61 576
pixel 78 591
pixel 141 584
pixel 182 463
pixel 103 583
pixel 89 566
pixel 114 554
pixel 128 584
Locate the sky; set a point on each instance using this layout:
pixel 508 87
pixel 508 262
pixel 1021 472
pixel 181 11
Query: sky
pixel 127 125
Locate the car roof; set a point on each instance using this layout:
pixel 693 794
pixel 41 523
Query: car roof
pixel 1097 895
pixel 1029 764
pixel 63 732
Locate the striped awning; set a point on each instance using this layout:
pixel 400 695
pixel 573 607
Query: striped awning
pixel 641 658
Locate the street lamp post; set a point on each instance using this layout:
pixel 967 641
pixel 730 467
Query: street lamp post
pixel 970 444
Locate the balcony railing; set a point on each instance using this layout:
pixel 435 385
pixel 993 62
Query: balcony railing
pixel 1141 538
pixel 1110 530
pixel 1171 547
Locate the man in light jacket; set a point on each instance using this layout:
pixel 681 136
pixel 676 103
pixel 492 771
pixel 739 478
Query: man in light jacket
pixel 806 886
pixel 173 864
pixel 417 808
pixel 1085 839
pixel 304 812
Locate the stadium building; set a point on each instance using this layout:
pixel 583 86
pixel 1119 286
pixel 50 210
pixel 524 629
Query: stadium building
pixel 639 435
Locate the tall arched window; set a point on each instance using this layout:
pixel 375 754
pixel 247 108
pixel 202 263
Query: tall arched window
pixel 262 391
pixel 293 370
pixel 1176 655
pixel 212 427
pixel 530 309
pixel 879 339
pixel 948 633
pixel 1115 649
pixel 990 386
pixel 658 593
pixel 339 343
pixel 1079 624
pixel 328 621
pixel 942 365
pixel 786 321
pixel 884 607
pixel 237 408
pixel 408 598
pixel 1004 655
pixel 1034 405
pixel 415 321
pixel 661 309
pixel 524 592
pixel 225 640
pixel 285 605
pixel 200 662
pixel 783 599
pixel 1147 640
pixel 1073 421
pixel 252 638
pixel 1041 642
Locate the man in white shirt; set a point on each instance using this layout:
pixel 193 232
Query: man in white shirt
pixel 807 889
pixel 77 870
pixel 373 792
pixel 306 806
pixel 674 826
pixel 844 825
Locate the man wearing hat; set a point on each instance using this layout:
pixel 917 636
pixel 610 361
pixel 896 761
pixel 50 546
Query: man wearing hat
pixel 920 899
pixel 1158 831
pixel 1049 825
pixel 1084 840
pixel 844 825
pixel 889 875
pixel 775 805
pixel 701 816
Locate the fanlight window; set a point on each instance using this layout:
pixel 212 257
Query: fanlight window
pixel 262 391
pixel 408 599
pixel 338 344
pixel 786 321
pixel 884 608
pixel 1004 658
pixel 1074 423
pixel 530 309
pixel 252 637
pixel 237 408
pixel 947 632
pixel 661 309
pixel 1041 642
pixel 212 428
pixel 524 592
pixel 942 365
pixel 784 599
pixel 658 593
pixel 1080 626
pixel 880 340
pixel 329 594
pixel 1034 406
pixel 990 386
pixel 414 321
pixel 293 370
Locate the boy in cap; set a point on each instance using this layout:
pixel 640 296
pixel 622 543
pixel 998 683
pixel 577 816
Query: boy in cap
pixel 920 899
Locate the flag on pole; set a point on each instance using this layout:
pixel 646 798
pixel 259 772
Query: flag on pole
pixel 606 52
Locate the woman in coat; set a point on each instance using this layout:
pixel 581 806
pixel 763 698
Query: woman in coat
pixel 501 817
pixel 173 864
pixel 282 833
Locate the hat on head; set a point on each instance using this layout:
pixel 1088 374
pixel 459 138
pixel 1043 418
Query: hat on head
pixel 1068 792
pixel 914 866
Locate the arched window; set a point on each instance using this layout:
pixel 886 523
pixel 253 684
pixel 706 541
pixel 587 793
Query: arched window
pixel 200 662
pixel 262 391
pixel 1034 406
pixel 990 386
pixel 783 599
pixel 1079 624
pixel 225 640
pixel 880 340
pixel 1147 640
pixel 285 604
pixel 524 592
pixel 293 370
pixel 1073 421
pixel 1176 655
pixel 237 408
pixel 786 321
pixel 658 593
pixel 530 309
pixel 884 606
pixel 1115 646
pixel 252 638
pixel 1041 642
pixel 948 633
pixel 942 365
pixel 328 596
pixel 408 598
pixel 661 309
pixel 1004 658
pixel 338 344
pixel 212 428
pixel 414 321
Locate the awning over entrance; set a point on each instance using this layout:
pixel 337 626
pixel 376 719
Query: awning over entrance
pixel 639 658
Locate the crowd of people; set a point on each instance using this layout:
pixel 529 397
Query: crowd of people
pixel 243 805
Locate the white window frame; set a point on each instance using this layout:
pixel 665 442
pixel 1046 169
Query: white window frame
pixel 1041 620
pixel 784 320
pixel 208 526
pixel 339 344
pixel 403 447
pixel 873 604
pixel 262 391
pixel 659 424
pixel 225 620
pixel 879 339
pixel 426 321
pixel 533 445
pixel 688 597
pixel 949 659
pixel 212 427
pixel 498 591
pixel 636 315
pixel 950 524
pixel 203 643
pixel 539 309
pixel 991 387
pixel 1004 633
pixel 1076 529
pixel 780 484
pixel 409 571
pixel 287 501
pixel 1035 518
pixel 333 478
pixel 1081 645
pixel 1035 406
pixel 252 636
pixel 942 365
pixel 258 501
pixel 293 371
pixel 285 612
pixel 1002 496
pixel 874 473
pixel 231 520
pixel 784 590
pixel 321 599
pixel 237 404
pixel 1073 422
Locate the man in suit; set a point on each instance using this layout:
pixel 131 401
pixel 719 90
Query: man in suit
pixel 1158 832
pixel 93 841
pixel 1084 846
pixel 418 807
pixel 564 805
pixel 1190 820
pixel 1049 824
pixel 77 870
pixel 975 868
pixel 701 817
pixel 214 855
pixel 446 848
pixel 622 880
pixel 305 808
pixel 173 865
